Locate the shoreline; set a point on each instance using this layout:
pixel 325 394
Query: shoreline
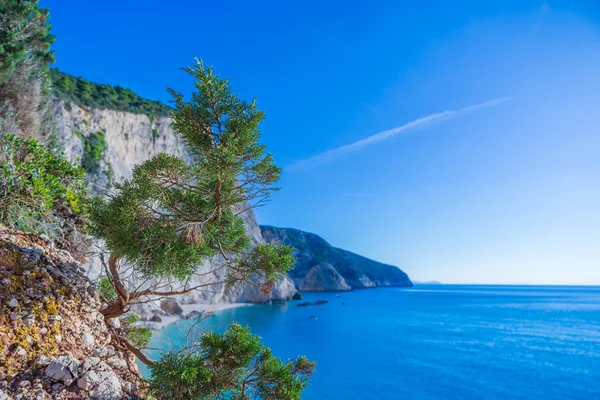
pixel 189 308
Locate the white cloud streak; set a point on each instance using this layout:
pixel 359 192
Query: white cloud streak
pixel 381 136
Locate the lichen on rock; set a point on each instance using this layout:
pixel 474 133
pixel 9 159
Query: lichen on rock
pixel 51 333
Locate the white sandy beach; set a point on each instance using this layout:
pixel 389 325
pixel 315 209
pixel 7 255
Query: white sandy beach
pixel 189 308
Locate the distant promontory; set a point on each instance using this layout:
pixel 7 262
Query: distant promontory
pixel 322 267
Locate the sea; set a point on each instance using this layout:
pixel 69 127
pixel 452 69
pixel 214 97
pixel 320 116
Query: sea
pixel 463 342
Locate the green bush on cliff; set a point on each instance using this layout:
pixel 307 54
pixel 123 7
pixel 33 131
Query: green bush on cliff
pixel 85 93
pixel 41 191
pixel 93 147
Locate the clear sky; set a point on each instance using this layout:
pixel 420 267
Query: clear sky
pixel 459 140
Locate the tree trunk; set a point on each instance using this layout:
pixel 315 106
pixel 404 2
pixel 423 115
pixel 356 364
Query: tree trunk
pixel 117 307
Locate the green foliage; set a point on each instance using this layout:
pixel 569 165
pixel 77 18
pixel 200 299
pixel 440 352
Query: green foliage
pixel 171 215
pixel 138 335
pixel 24 37
pixel 85 93
pixel 107 291
pixel 264 259
pixel 40 191
pixel 234 365
pixel 93 146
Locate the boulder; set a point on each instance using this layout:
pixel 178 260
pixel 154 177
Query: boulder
pixel 171 306
pixel 63 369
pixel 323 278
pixel 99 380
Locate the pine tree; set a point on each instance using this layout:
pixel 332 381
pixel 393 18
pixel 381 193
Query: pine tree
pixel 171 215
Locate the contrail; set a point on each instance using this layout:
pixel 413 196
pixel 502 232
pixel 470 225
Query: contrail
pixel 378 137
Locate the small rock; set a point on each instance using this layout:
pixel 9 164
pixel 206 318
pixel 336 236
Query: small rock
pixel 3 396
pixel 26 272
pixel 44 330
pixel 115 322
pixel 58 338
pixel 194 314
pixel 24 384
pixel 13 303
pixel 5 281
pixel 14 316
pixel 156 318
pixel 41 360
pixel 38 250
pixel 88 339
pixel 110 350
pixel 128 387
pixel 93 291
pixel 117 362
pixel 28 321
pixel 57 387
pixel 20 351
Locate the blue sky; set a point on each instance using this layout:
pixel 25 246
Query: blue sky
pixel 504 192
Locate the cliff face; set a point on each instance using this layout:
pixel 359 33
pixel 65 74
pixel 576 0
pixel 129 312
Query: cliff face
pixel 109 144
pixel 358 272
pixel 323 278
pixel 53 341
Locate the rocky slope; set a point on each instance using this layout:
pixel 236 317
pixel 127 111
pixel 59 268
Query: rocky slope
pixel 323 278
pixel 358 272
pixel 53 341
pixel 109 144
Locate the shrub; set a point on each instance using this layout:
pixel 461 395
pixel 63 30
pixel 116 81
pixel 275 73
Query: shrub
pixel 42 192
pixel 93 148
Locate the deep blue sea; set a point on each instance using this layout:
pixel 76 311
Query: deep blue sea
pixel 435 341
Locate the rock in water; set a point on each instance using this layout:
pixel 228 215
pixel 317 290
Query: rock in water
pixel 171 306
pixel 323 278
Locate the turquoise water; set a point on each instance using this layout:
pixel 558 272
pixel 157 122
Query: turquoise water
pixel 436 341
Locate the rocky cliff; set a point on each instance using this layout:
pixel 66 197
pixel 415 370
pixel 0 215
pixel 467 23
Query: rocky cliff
pixel 358 272
pixel 53 341
pixel 109 143
pixel 323 278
